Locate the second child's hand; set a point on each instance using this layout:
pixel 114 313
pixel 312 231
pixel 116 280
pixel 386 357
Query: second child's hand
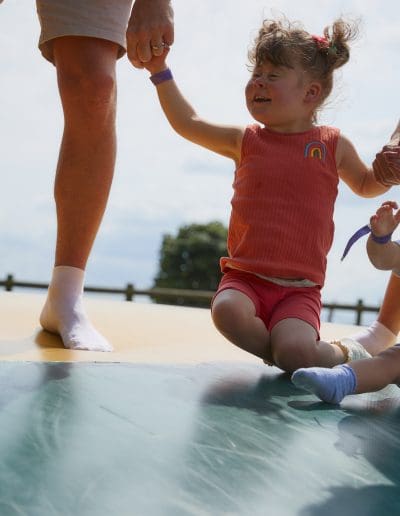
pixel 385 220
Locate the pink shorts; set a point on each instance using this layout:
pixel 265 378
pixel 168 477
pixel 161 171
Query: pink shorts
pixel 272 302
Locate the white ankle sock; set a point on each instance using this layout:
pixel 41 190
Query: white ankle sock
pixel 375 338
pixel 63 312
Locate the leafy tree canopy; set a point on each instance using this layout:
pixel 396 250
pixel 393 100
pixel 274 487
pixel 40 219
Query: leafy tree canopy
pixel 190 260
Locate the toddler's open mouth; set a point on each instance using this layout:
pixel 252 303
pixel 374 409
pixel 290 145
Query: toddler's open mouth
pixel 260 98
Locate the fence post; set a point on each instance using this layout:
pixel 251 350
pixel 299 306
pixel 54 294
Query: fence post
pixel 129 292
pixel 9 283
pixel 359 311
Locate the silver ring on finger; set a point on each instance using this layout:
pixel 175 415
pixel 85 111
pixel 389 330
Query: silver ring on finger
pixel 158 47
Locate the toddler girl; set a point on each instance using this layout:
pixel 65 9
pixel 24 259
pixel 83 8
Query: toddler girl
pixel 285 186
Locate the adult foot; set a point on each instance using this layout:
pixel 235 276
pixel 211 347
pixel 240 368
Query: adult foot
pixel 64 314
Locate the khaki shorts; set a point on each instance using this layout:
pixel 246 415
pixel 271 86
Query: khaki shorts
pixel 104 19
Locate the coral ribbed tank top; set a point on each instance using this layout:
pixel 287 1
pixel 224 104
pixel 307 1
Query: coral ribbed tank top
pixel 285 189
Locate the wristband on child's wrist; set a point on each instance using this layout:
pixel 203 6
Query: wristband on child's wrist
pixel 381 239
pixel 159 77
pixel 365 230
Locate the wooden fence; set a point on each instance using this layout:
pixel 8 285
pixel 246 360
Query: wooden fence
pixel 129 291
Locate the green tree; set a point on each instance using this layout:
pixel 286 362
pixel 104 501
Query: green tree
pixel 190 260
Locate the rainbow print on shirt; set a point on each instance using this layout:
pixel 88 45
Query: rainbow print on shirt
pixel 315 149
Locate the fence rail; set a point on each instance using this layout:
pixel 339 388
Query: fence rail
pixel 129 291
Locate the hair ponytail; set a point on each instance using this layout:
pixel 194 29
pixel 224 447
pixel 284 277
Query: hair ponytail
pixel 285 43
pixel 338 36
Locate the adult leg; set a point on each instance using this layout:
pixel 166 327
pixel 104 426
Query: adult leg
pixel 86 81
pixel 382 333
pixel 389 313
pixel 376 373
pixel 234 315
pixel 294 344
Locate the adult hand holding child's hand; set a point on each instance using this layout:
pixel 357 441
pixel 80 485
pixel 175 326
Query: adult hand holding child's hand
pixel 386 165
pixel 150 31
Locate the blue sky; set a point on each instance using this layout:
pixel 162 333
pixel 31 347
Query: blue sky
pixel 162 181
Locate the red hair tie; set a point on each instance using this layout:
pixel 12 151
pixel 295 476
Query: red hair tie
pixel 321 41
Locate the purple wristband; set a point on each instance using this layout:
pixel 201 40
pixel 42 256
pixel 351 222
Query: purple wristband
pixel 365 230
pixel 381 239
pixel 159 77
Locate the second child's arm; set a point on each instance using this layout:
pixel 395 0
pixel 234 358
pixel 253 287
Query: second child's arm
pixel 385 257
pixel 225 140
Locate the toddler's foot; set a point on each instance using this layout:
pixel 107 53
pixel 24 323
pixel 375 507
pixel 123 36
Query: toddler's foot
pixel 375 338
pixel 330 385
pixel 63 312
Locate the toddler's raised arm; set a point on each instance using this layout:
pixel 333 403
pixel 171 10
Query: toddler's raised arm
pixel 222 139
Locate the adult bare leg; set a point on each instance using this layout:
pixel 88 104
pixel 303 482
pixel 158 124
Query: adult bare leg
pixel 86 81
pixel 389 314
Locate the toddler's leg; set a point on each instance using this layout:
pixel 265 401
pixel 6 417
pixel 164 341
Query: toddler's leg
pixel 332 385
pixel 378 372
pixel 64 314
pixel 294 344
pixel 234 315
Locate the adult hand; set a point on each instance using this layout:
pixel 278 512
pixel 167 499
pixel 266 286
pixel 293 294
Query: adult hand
pixel 386 166
pixel 150 30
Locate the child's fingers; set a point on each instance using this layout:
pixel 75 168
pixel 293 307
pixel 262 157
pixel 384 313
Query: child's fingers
pixel 157 62
pixel 390 204
pixel 375 226
pixel 383 210
pixel 373 220
pixel 397 217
